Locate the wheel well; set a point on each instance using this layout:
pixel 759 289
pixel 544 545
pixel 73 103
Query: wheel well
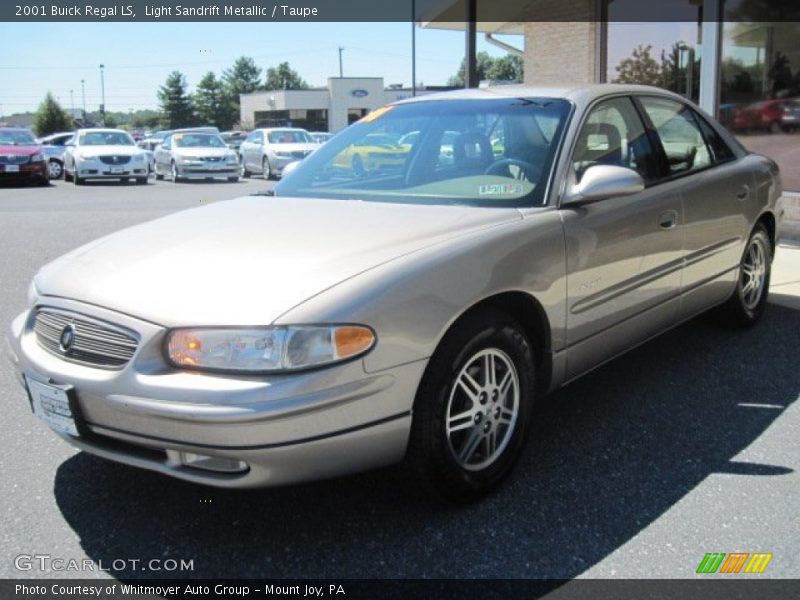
pixel 526 310
pixel 768 219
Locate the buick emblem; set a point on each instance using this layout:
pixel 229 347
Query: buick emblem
pixel 67 338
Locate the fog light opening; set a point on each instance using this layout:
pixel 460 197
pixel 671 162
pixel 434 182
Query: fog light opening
pixel 212 463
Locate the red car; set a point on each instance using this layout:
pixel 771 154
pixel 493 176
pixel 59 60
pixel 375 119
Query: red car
pixel 770 115
pixel 21 157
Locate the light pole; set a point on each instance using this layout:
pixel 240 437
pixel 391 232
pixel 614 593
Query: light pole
pixel 72 104
pixel 102 97
pixel 413 48
pixel 83 95
pixel 341 48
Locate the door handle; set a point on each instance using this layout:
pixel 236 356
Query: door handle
pixel 743 192
pixel 668 219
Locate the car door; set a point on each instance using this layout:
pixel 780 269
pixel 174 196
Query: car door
pixel 715 192
pixel 163 156
pixel 251 150
pixel 623 254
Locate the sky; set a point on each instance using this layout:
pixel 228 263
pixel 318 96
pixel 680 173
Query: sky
pixel 39 57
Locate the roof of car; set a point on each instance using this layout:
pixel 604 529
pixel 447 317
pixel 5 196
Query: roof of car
pixel 100 130
pixel 577 93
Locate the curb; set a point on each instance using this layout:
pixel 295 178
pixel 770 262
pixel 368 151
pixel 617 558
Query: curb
pixel 788 209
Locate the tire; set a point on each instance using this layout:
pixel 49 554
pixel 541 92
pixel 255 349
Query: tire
pixel 159 176
pixel 749 300
pixel 174 173
pixel 233 179
pixel 265 168
pixel 141 181
pixel 468 432
pixel 67 176
pixel 243 172
pixel 55 169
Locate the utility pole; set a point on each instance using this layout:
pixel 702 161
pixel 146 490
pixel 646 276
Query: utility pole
pixel 102 97
pixel 83 95
pixel 341 72
pixel 72 104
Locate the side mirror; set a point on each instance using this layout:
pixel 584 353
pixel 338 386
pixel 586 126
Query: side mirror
pixel 604 181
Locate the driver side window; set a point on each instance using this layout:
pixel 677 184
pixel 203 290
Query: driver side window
pixel 613 134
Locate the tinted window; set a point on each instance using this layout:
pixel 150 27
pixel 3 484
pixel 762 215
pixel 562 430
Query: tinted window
pixel 613 134
pixel 679 133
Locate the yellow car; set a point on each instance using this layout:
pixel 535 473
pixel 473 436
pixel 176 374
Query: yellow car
pixel 374 152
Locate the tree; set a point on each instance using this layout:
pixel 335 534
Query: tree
pixel 175 101
pixel 506 68
pixel 50 117
pixel 484 63
pixel 640 67
pixel 211 104
pixel 111 120
pixel 283 77
pixel 243 77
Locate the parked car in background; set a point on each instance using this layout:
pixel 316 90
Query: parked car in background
pixel 356 319
pixel 54 147
pixel 22 157
pixel 234 139
pixel 320 137
pixel 267 151
pixel 774 116
pixel 195 155
pixel 104 154
pixel 375 152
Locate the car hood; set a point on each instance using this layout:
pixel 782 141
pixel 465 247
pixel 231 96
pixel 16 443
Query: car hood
pixel 108 150
pixel 248 261
pixel 27 150
pixel 293 147
pixel 203 152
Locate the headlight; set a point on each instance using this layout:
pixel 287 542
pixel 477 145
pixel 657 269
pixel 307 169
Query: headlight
pixel 85 157
pixel 259 350
pixel 38 157
pixel 232 158
pixel 137 158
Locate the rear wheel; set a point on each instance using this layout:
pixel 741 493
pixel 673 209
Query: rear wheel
pixel 473 407
pixel 749 299
pixel 141 181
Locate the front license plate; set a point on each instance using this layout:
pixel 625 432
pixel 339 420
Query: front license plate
pixel 52 405
pixel 117 170
pixel 12 168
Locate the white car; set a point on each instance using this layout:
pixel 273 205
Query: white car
pixel 104 154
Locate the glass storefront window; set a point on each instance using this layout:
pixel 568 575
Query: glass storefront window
pixel 760 88
pixel 664 54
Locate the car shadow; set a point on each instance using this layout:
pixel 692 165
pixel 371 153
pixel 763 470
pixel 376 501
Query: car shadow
pixel 616 450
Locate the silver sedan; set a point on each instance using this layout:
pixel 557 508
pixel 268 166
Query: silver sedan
pixel 195 155
pixel 417 311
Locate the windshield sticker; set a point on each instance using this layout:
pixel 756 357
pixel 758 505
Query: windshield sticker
pixel 501 189
pixel 177 137
pixel 378 112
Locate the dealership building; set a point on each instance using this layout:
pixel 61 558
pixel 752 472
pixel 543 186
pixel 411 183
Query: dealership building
pixel 332 108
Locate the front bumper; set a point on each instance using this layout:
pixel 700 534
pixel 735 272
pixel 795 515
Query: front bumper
pixel 99 170
pixel 286 429
pixel 28 171
pixel 203 172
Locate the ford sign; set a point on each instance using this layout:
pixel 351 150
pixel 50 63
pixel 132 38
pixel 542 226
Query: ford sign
pixel 359 93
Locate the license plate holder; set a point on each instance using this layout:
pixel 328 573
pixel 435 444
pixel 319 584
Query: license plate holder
pixel 11 168
pixel 116 170
pixel 56 405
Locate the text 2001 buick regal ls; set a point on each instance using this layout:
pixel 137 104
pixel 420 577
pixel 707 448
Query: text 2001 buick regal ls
pixel 414 310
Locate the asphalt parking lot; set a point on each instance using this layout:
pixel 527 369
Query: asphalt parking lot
pixel 685 446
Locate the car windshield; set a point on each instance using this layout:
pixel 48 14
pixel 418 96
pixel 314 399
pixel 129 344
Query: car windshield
pixel 16 138
pixel 496 152
pixel 289 136
pixel 105 138
pixel 197 140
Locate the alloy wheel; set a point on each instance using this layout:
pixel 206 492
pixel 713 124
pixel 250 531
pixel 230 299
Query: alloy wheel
pixel 754 272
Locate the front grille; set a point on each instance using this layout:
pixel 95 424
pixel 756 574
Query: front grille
pixel 95 343
pixel 214 158
pixel 116 159
pixel 300 153
pixel 14 159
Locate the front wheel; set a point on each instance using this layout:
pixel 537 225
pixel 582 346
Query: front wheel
pixel 265 168
pixel 473 407
pixel 174 173
pixel 55 169
pixel 749 299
